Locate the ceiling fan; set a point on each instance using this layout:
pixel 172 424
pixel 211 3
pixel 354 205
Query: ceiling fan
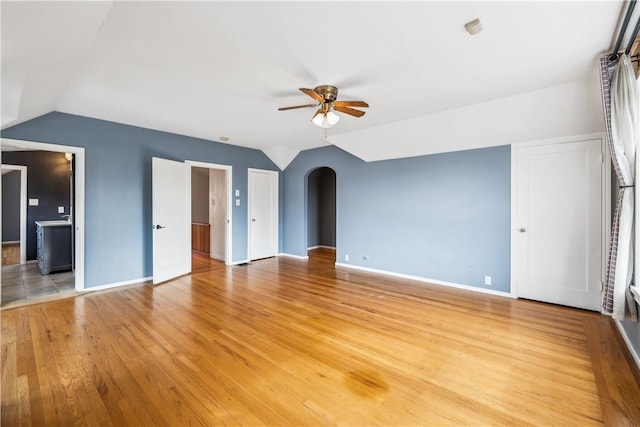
pixel 326 96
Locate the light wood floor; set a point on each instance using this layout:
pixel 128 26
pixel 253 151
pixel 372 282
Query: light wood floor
pixel 289 342
pixel 10 253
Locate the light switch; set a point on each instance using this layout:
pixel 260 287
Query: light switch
pixel 237 202
pixel 34 202
pixel 60 209
pixel 237 193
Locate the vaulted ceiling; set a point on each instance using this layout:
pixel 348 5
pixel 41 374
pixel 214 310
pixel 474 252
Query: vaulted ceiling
pixel 213 69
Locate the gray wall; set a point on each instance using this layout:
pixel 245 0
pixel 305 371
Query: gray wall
pixel 118 233
pixel 200 195
pixel 321 207
pixel 48 180
pixel 443 217
pixel 11 206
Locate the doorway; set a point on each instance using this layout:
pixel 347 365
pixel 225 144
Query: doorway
pixel 321 209
pixel 559 217
pixel 69 167
pixel 211 219
pixel 14 214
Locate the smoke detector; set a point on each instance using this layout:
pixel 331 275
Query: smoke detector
pixel 473 27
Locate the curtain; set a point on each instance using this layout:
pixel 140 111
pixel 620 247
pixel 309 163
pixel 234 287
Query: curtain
pixel 620 103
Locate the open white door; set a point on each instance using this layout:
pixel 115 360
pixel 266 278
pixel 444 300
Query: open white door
pixel 171 231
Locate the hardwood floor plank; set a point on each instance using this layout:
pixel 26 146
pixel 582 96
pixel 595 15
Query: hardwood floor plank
pixel 289 342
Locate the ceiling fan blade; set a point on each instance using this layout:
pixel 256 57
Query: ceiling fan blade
pixel 350 104
pixel 297 106
pixel 350 111
pixel 312 93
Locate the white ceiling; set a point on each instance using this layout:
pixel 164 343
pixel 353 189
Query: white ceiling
pixel 212 69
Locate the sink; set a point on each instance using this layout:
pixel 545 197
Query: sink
pixel 53 223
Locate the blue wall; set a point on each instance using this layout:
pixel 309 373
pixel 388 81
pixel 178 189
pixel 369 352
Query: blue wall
pixel 11 206
pixel 443 217
pixel 118 186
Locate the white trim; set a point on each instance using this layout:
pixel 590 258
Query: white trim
pixel 627 341
pixel 23 208
pixel 426 280
pixel 242 261
pixel 606 198
pixel 79 177
pixel 276 244
pixel 293 256
pixel 229 176
pixel 513 287
pixel 321 247
pixel 118 284
pixel 559 140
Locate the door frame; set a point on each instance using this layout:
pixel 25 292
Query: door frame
pixel 229 175
pixel 23 208
pixel 277 209
pixel 605 189
pixel 79 180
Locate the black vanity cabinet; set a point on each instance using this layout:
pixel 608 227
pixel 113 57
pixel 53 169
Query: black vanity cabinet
pixel 54 246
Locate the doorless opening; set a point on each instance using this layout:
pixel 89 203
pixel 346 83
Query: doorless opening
pixel 78 220
pixel 321 208
pixel 211 202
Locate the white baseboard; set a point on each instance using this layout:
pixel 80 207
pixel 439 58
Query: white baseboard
pixel 293 256
pixel 321 247
pixel 427 280
pixel 632 350
pixel 217 257
pixel 117 284
pixel 242 261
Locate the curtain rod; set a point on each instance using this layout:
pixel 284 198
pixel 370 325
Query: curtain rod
pixel 614 54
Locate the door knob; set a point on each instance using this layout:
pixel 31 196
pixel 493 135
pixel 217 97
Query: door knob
pixel 522 230
pixel 158 227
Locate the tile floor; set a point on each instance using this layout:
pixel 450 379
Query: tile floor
pixel 24 282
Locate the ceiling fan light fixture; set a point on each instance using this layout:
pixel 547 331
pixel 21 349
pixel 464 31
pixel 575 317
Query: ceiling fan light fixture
pixel 332 118
pixel 325 120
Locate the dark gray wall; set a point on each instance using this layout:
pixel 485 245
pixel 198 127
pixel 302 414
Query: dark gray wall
pixel 48 180
pixel 445 216
pixel 11 206
pixel 118 244
pixel 321 207
pixel 200 195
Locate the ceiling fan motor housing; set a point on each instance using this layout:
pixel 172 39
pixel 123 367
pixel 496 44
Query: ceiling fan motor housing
pixel 328 92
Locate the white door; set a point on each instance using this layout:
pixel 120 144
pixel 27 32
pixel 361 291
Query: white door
pixel 218 196
pixel 558 227
pixel 263 213
pixel 171 231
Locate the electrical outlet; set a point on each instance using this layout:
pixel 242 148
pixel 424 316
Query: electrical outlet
pixel 61 209
pixel 346 257
pixel 487 280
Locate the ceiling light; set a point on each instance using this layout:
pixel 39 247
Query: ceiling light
pixel 224 138
pixel 325 119
pixel 473 27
